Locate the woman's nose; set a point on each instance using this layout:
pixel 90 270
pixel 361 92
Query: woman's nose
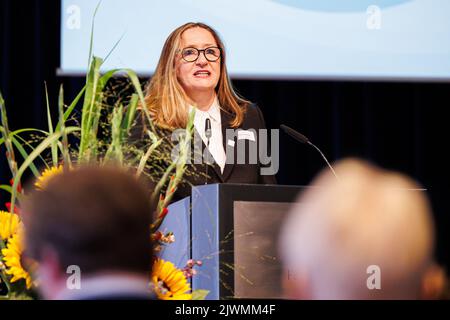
pixel 201 60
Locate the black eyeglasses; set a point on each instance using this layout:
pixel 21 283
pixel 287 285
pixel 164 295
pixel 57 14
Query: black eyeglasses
pixel 191 54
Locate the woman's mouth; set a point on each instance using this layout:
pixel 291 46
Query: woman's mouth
pixel 202 74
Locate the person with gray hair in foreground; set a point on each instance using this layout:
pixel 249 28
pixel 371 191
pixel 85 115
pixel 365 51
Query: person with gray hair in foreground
pixel 367 235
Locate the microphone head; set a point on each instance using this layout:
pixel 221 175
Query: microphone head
pixel 294 134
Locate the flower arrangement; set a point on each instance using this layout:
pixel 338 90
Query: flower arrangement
pixel 56 154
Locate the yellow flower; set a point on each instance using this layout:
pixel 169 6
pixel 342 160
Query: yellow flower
pixel 169 282
pixel 8 224
pixel 45 177
pixel 12 255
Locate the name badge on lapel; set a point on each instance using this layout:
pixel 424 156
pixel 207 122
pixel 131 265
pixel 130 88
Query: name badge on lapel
pixel 246 134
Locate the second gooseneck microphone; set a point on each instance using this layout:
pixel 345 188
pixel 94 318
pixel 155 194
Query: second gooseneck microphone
pixel 303 139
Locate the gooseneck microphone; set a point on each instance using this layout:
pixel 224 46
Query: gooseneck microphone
pixel 208 135
pixel 303 139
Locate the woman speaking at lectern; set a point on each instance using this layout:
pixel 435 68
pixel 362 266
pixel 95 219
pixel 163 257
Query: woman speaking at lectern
pixel 192 73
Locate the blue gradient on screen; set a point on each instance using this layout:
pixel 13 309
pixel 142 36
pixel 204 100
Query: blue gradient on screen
pixel 270 39
pixel 339 5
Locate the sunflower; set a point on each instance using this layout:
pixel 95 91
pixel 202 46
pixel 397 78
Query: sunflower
pixel 9 223
pixel 12 255
pixel 45 177
pixel 169 282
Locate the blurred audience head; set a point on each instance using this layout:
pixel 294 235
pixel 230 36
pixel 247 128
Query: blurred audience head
pixel 94 219
pixel 367 235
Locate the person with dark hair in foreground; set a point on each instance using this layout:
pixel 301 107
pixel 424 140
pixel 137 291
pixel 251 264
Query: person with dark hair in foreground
pixel 89 231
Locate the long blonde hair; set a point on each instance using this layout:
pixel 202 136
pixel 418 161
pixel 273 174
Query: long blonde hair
pixel 166 99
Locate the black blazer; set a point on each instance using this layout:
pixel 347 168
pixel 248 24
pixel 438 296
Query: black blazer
pixel 248 173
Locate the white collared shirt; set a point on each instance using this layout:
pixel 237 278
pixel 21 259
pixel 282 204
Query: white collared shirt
pixel 215 142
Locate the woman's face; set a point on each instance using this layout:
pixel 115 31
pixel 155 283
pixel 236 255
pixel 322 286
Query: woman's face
pixel 200 75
